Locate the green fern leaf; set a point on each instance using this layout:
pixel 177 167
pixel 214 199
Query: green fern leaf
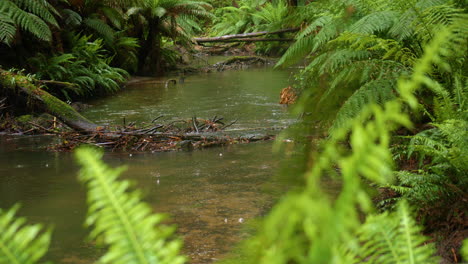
pixel 20 243
pixel 39 9
pixel 101 28
pixel 391 238
pixel 7 29
pixel 378 91
pixel 72 17
pixel 375 22
pixel 26 21
pixel 317 33
pixel 126 224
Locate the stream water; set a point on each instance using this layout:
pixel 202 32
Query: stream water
pixel 210 194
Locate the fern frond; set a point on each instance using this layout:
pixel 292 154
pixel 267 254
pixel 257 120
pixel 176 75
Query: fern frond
pixel 72 17
pixel 377 91
pixel 394 238
pixel 26 21
pixel 126 224
pixel 7 29
pixel 102 29
pixel 316 34
pixel 375 22
pixel 41 9
pixel 449 42
pixel 422 188
pixel 115 16
pixel 21 243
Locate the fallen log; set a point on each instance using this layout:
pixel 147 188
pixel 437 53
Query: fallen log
pixel 17 85
pixel 253 40
pixel 241 36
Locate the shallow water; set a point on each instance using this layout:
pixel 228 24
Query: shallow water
pixel 210 194
pixel 251 97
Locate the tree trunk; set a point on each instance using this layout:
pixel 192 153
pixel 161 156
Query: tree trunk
pixel 149 57
pixel 21 86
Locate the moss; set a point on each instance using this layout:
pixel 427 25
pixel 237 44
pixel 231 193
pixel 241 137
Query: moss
pixel 58 106
pixel 25 119
pixel 54 105
pixel 24 86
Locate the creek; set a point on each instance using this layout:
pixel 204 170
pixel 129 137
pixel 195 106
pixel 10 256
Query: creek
pixel 210 194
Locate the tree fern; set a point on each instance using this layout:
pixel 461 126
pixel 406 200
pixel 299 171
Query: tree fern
pixel 29 22
pixel 21 243
pixel 393 238
pixel 126 224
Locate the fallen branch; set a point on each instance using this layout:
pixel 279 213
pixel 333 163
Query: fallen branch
pixel 252 40
pixel 245 35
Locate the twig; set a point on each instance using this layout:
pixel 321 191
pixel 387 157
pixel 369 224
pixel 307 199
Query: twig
pixel 41 127
pixel 230 124
pixel 194 122
pixel 157 118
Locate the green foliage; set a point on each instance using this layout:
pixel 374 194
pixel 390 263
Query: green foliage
pixel 174 19
pixel 441 173
pixel 159 22
pixel 378 91
pixel 21 243
pixel 29 15
pixel 87 66
pixel 118 216
pixel 102 28
pixel 358 54
pixel 393 238
pixel 252 16
pixel 232 20
pixel 308 226
pixel 465 249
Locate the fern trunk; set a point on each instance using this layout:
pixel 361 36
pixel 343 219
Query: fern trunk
pixel 150 56
pixel 22 87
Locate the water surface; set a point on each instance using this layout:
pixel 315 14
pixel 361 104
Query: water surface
pixel 251 97
pixel 210 194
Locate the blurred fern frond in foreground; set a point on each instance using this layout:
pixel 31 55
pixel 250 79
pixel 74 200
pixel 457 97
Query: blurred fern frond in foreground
pixel 21 243
pixel 134 235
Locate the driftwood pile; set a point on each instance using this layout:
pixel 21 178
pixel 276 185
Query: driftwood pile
pixel 195 133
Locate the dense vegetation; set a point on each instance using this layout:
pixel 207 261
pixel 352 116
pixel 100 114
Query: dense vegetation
pixel 392 73
pixel 95 43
